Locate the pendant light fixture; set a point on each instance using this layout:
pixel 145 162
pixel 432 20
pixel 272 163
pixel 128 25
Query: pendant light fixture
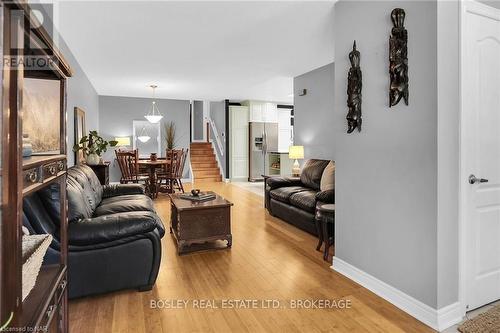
pixel 154 115
pixel 143 136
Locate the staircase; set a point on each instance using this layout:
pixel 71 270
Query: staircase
pixel 204 163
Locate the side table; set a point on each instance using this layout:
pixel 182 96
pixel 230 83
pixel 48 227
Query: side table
pixel 325 216
pixel 102 172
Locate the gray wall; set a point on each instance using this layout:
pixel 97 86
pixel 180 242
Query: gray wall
pixel 80 91
pixel 198 120
pixel 218 115
pixel 116 116
pixel 389 170
pixel 314 123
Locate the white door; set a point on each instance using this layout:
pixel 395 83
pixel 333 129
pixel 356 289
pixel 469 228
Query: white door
pixel 239 142
pixel 480 126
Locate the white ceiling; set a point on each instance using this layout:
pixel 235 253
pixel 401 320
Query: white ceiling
pixel 198 50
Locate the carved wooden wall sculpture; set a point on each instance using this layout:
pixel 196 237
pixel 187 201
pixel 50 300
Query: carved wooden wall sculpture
pixel 354 85
pixel 398 58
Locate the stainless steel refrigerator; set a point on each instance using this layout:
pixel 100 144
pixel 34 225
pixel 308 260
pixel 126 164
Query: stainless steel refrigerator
pixel 263 141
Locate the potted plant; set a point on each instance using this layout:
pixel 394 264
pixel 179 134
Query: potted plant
pixel 170 135
pixel 93 146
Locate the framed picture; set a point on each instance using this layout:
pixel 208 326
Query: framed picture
pixel 147 138
pixel 80 131
pixel 42 115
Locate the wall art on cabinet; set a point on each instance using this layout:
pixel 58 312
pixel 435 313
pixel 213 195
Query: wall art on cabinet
pixel 398 59
pixel 354 85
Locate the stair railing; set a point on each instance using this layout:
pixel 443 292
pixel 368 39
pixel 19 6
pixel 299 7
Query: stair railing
pixel 217 144
pixel 218 139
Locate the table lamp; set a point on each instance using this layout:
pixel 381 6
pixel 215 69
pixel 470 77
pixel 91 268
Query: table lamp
pixel 123 141
pixel 295 153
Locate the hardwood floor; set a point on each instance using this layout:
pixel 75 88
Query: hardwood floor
pixel 269 260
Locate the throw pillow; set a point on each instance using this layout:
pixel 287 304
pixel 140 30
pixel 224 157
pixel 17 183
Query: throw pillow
pixel 328 177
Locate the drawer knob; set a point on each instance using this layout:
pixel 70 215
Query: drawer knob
pixel 32 176
pixel 52 170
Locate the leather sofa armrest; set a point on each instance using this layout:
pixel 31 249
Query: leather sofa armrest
pixel 122 189
pixel 327 196
pixel 277 182
pixel 112 227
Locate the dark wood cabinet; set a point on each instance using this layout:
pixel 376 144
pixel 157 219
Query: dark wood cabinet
pixel 102 172
pixel 23 39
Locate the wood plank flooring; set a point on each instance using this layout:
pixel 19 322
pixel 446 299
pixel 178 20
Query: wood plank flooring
pixel 269 260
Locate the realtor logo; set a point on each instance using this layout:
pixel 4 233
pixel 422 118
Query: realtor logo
pixel 28 50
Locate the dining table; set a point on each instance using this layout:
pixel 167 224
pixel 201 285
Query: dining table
pixel 152 165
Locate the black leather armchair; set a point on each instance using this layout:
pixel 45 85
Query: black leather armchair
pixel 114 233
pixel 295 199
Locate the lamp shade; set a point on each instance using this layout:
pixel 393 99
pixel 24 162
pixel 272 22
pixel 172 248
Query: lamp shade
pixel 123 141
pixel 296 152
pixel 144 138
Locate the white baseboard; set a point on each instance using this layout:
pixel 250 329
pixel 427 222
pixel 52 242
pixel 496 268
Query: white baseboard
pixel 437 319
pixel 449 315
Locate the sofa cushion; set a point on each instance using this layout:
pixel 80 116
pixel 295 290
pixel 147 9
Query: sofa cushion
pixel 125 203
pixel 114 190
pixel 327 196
pixel 92 192
pixel 78 204
pixel 328 177
pixel 112 227
pixel 312 172
pixel 283 193
pixel 275 182
pixel 305 200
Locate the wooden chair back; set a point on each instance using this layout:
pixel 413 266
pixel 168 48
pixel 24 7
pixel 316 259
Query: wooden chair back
pixel 182 161
pixel 127 161
pixel 173 155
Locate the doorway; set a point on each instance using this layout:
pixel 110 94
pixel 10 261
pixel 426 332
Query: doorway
pixel 199 116
pixel 480 155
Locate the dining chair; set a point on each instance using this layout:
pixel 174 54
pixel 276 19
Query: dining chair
pixel 164 175
pixel 169 178
pixel 129 167
pixel 179 171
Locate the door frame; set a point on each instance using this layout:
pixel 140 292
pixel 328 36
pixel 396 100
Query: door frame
pixel 206 112
pixel 465 6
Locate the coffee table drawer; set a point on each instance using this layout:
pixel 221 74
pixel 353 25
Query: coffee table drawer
pixel 204 223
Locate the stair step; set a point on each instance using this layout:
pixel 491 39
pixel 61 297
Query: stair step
pixel 209 178
pixel 204 164
pixel 201 145
pixel 212 172
pixel 201 152
pixel 202 158
pixel 195 169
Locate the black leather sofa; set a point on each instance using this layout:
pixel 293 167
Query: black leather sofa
pixel 114 233
pixel 295 199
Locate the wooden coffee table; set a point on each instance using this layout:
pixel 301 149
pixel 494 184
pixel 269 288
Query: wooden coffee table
pixel 200 225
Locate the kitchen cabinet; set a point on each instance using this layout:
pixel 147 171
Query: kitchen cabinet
pixel 265 112
pixel 238 124
pixel 285 130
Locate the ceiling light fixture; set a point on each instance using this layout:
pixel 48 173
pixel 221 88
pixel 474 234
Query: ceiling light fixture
pixel 143 136
pixel 154 115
